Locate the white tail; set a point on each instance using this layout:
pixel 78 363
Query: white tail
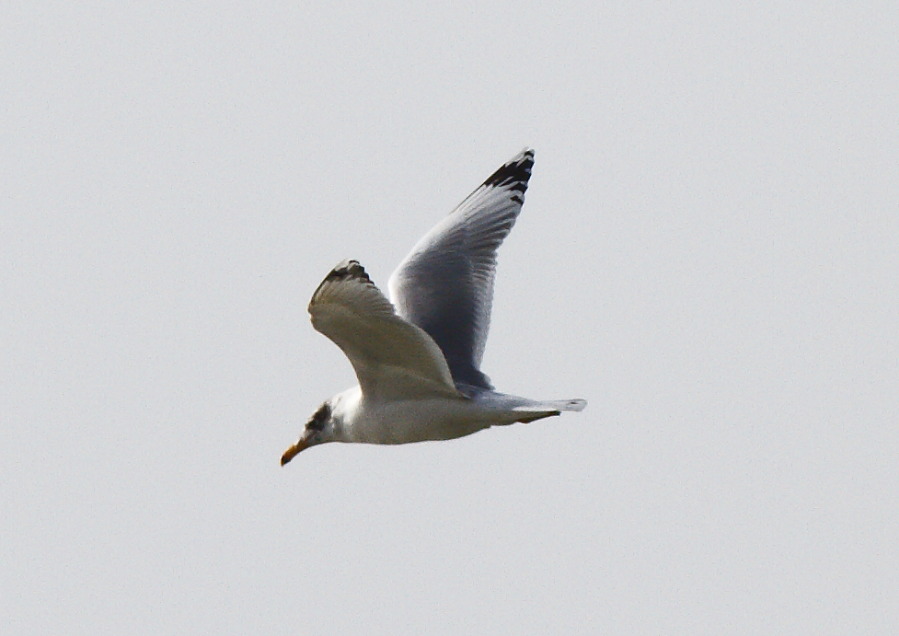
pixel 538 410
pixel 554 405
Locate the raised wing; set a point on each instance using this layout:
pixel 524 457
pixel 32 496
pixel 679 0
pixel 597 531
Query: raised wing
pixel 445 284
pixel 392 358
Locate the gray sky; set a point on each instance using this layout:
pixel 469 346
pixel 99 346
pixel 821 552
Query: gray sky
pixel 707 254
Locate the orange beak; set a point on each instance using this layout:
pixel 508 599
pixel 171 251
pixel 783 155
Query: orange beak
pixel 291 452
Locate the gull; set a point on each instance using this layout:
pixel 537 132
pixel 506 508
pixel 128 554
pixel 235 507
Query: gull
pixel 418 358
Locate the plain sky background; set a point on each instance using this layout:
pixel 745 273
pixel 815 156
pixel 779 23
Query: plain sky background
pixel 707 254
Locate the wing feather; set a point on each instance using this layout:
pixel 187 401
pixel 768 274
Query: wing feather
pixel 392 358
pixel 445 284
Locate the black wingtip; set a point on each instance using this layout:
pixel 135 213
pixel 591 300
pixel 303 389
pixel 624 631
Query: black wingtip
pixel 515 173
pixel 348 269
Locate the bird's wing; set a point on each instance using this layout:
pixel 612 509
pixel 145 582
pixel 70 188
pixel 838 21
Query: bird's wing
pixel 445 284
pixel 392 358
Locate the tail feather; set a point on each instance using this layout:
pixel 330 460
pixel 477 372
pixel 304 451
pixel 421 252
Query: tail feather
pixel 539 410
pixel 554 405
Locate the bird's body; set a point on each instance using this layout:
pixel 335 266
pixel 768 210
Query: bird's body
pixel 430 418
pixel 418 359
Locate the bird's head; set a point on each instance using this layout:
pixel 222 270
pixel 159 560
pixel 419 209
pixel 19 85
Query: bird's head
pixel 319 429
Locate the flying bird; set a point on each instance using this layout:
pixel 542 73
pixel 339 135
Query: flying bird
pixel 418 359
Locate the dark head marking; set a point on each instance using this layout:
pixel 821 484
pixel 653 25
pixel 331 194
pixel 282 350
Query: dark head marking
pixel 322 415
